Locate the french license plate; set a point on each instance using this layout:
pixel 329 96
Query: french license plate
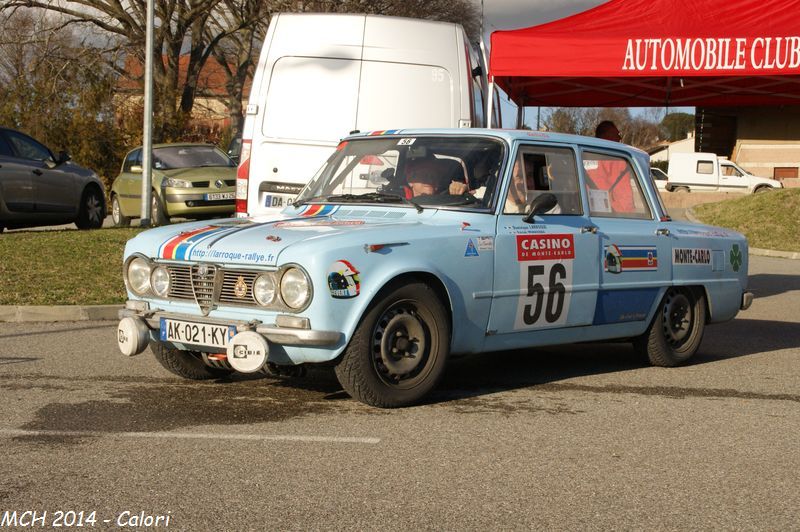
pixel 203 334
pixel 271 200
pixel 214 196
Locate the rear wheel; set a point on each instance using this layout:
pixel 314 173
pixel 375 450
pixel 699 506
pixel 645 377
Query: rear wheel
pixel 399 350
pixel 119 219
pixel 186 364
pixel 91 211
pixel 677 328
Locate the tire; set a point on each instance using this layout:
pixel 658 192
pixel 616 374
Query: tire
pixel 408 319
pixel 119 219
pixel 677 328
pixel 185 364
pixel 91 210
pixel 681 190
pixel 759 190
pixel 157 214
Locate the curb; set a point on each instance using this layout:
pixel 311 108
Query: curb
pixel 794 255
pixel 52 313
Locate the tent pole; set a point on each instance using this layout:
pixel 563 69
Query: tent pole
pixel 490 106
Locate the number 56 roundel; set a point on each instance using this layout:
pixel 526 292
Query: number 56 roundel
pixel 545 275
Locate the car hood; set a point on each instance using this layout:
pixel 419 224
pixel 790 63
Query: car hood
pixel 260 241
pixel 205 173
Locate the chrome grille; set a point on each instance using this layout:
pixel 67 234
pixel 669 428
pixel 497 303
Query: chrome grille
pixel 216 286
pixel 203 283
pixel 228 292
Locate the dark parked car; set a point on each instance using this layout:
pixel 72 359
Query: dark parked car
pixel 39 188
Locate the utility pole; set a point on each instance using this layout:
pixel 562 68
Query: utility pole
pixel 147 130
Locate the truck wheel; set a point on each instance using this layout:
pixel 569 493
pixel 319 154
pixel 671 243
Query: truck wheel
pixel 119 219
pixel 681 190
pixel 399 350
pixel 677 328
pixel 90 211
pixel 186 364
pixel 759 190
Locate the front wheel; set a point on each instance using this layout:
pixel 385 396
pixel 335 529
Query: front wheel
pixel 676 330
pixel 399 350
pixel 91 211
pixel 158 216
pixel 119 219
pixel 186 364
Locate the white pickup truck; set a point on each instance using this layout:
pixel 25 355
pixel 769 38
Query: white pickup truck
pixel 709 172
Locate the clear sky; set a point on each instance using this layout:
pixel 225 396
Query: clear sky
pixel 513 14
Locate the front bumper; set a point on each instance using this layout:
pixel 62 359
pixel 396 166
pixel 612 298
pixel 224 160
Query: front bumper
pixel 287 336
pixel 182 201
pixel 747 300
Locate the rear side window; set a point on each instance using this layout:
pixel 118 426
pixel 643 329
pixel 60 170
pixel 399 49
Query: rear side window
pixel 613 188
pixel 705 167
pixel 27 148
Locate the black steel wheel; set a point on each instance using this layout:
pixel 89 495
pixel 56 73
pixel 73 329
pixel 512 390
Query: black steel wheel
pixel 676 330
pixel 399 350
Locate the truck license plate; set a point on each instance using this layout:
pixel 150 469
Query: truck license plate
pixel 202 334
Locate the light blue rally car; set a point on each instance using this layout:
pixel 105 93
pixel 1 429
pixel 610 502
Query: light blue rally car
pixel 411 246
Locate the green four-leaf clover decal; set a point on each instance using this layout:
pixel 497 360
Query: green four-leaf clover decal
pixel 736 257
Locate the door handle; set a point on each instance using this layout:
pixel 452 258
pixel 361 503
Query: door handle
pixel 589 229
pixel 662 231
pixel 38 172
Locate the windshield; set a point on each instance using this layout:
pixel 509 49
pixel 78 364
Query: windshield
pixel 169 157
pixel 459 172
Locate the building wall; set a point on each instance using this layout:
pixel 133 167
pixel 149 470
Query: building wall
pixel 767 139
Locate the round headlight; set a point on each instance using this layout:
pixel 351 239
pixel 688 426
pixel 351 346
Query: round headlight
pixel 264 289
pixel 139 276
pixel 159 280
pixel 295 288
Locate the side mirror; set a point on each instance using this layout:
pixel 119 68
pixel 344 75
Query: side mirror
pixel 539 205
pixel 63 157
pixel 136 169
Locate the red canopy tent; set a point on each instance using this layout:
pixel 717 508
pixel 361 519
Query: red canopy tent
pixel 628 53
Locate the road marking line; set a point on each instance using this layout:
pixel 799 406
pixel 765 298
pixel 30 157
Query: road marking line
pixel 14 433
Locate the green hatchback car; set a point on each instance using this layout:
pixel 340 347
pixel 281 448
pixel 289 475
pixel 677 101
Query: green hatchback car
pixel 189 180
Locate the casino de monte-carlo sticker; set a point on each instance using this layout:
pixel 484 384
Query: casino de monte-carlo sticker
pixel 545 278
pixel 694 256
pixel 343 280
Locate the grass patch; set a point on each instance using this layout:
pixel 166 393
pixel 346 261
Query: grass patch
pixel 769 220
pixel 63 267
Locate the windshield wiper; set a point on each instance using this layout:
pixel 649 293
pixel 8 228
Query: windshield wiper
pixel 377 197
pixel 300 203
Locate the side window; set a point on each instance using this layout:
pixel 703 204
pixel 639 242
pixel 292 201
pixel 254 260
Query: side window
pixel 539 170
pixel 5 147
pixel 613 188
pixel 705 167
pixel 27 148
pixel 730 170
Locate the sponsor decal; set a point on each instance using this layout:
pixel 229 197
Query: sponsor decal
pixel 383 132
pixel 233 256
pixel 713 232
pixel 533 229
pixel 344 280
pixel 318 210
pixel 471 251
pixel 546 293
pixel 485 243
pixel 659 56
pixel 736 257
pixel 176 247
pixel 620 259
pixel 545 247
pixel 274 238
pixel 618 306
pixel 691 256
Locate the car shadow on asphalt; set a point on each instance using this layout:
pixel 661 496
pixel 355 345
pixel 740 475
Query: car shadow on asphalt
pixel 770 284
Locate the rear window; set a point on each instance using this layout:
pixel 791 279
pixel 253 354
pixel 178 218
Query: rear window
pixel 705 167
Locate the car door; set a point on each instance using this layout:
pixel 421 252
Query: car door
pixel 547 271
pixel 731 179
pixel 635 246
pixel 15 180
pixel 130 184
pixel 53 187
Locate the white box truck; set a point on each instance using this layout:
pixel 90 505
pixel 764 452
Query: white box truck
pixel 711 173
pixel 321 76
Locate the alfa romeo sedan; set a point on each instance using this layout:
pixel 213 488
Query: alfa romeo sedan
pixel 459 242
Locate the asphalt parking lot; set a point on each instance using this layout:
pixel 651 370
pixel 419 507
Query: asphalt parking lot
pixel 575 437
